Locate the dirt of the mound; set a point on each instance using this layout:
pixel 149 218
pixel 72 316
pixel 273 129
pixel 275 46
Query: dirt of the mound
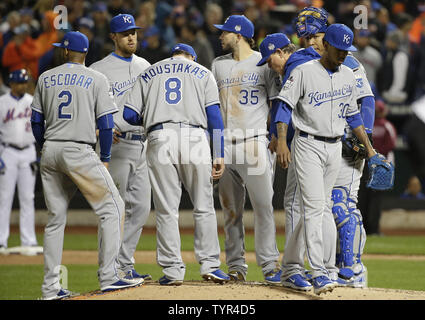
pixel 193 290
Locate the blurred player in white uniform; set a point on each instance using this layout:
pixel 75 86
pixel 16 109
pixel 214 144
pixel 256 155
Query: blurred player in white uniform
pixel 128 166
pixel 245 94
pixel 69 101
pixel 177 101
pixel 17 163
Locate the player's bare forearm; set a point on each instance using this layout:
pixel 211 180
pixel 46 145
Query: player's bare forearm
pixel 282 151
pixel 364 139
pixel 106 164
pixel 218 168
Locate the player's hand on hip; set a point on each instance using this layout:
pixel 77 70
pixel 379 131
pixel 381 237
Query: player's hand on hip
pixel 282 153
pixel 115 134
pixel 217 168
pixel 273 144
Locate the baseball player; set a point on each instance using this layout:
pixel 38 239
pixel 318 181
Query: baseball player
pixel 69 101
pixel 177 100
pixel 245 91
pixel 322 94
pixel 128 166
pixel 17 156
pixel 351 237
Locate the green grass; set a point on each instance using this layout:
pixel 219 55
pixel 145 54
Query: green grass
pixel 23 282
pixel 402 245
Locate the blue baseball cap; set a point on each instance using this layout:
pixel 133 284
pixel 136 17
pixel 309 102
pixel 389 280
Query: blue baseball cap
pixel 340 36
pixel 186 48
pixel 75 41
pixel 270 44
pixel 237 24
pixel 19 76
pixel 122 22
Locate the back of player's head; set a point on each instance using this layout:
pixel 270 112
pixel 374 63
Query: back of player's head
pixel 122 23
pixel 185 49
pixel 74 41
pixel 270 44
pixel 340 36
pixel 238 24
pixel 18 76
pixel 310 21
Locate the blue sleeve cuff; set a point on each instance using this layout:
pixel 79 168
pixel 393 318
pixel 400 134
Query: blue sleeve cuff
pixel 354 121
pixel 215 129
pixel 105 143
pixel 284 113
pixel 367 112
pixel 132 117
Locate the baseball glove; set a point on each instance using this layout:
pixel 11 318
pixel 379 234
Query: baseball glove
pixel 353 149
pixel 381 173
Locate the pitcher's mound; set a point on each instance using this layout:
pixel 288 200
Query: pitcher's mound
pixel 198 290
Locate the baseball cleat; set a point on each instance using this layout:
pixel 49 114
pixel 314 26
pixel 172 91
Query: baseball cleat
pixel 322 284
pixel 308 276
pixel 62 294
pixel 236 276
pixel 216 276
pixel 122 284
pixel 297 282
pixel 164 281
pixel 273 277
pixel 132 274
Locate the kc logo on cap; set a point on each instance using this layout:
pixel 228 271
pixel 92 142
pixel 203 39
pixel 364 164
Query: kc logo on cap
pixel 340 36
pixel 122 23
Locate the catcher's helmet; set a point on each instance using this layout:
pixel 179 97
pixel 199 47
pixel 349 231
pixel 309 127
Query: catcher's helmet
pixel 19 76
pixel 310 20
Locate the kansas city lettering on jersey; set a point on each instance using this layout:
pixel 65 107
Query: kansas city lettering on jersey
pixel 121 87
pixel 321 97
pixel 67 79
pixel 173 68
pixel 250 78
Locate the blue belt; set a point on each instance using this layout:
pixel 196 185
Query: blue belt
pixel 159 126
pixel 131 136
pixel 320 138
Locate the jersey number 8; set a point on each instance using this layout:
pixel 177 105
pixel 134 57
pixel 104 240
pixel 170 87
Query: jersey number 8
pixel 173 94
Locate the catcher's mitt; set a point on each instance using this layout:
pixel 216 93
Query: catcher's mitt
pixel 353 149
pixel 381 173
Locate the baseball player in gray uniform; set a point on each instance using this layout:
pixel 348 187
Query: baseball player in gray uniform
pixel 69 101
pixel 178 99
pixel 18 154
pixel 348 271
pixel 245 91
pixel 322 94
pixel 128 166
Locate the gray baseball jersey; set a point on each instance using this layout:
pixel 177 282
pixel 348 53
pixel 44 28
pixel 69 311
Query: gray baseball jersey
pixel 122 73
pixel 161 86
pixel 72 97
pixel 245 90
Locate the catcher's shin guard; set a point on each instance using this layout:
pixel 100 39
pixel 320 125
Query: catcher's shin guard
pixel 351 236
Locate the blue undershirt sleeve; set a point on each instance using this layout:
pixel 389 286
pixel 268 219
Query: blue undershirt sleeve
pixel 132 117
pixel 367 112
pixel 37 126
pixel 215 129
pixel 105 125
pixel 354 121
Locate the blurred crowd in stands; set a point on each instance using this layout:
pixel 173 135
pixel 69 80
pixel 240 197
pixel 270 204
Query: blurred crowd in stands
pixel 391 48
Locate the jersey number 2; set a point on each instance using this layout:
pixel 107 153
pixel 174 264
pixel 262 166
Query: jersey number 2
pixel 173 94
pixel 64 94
